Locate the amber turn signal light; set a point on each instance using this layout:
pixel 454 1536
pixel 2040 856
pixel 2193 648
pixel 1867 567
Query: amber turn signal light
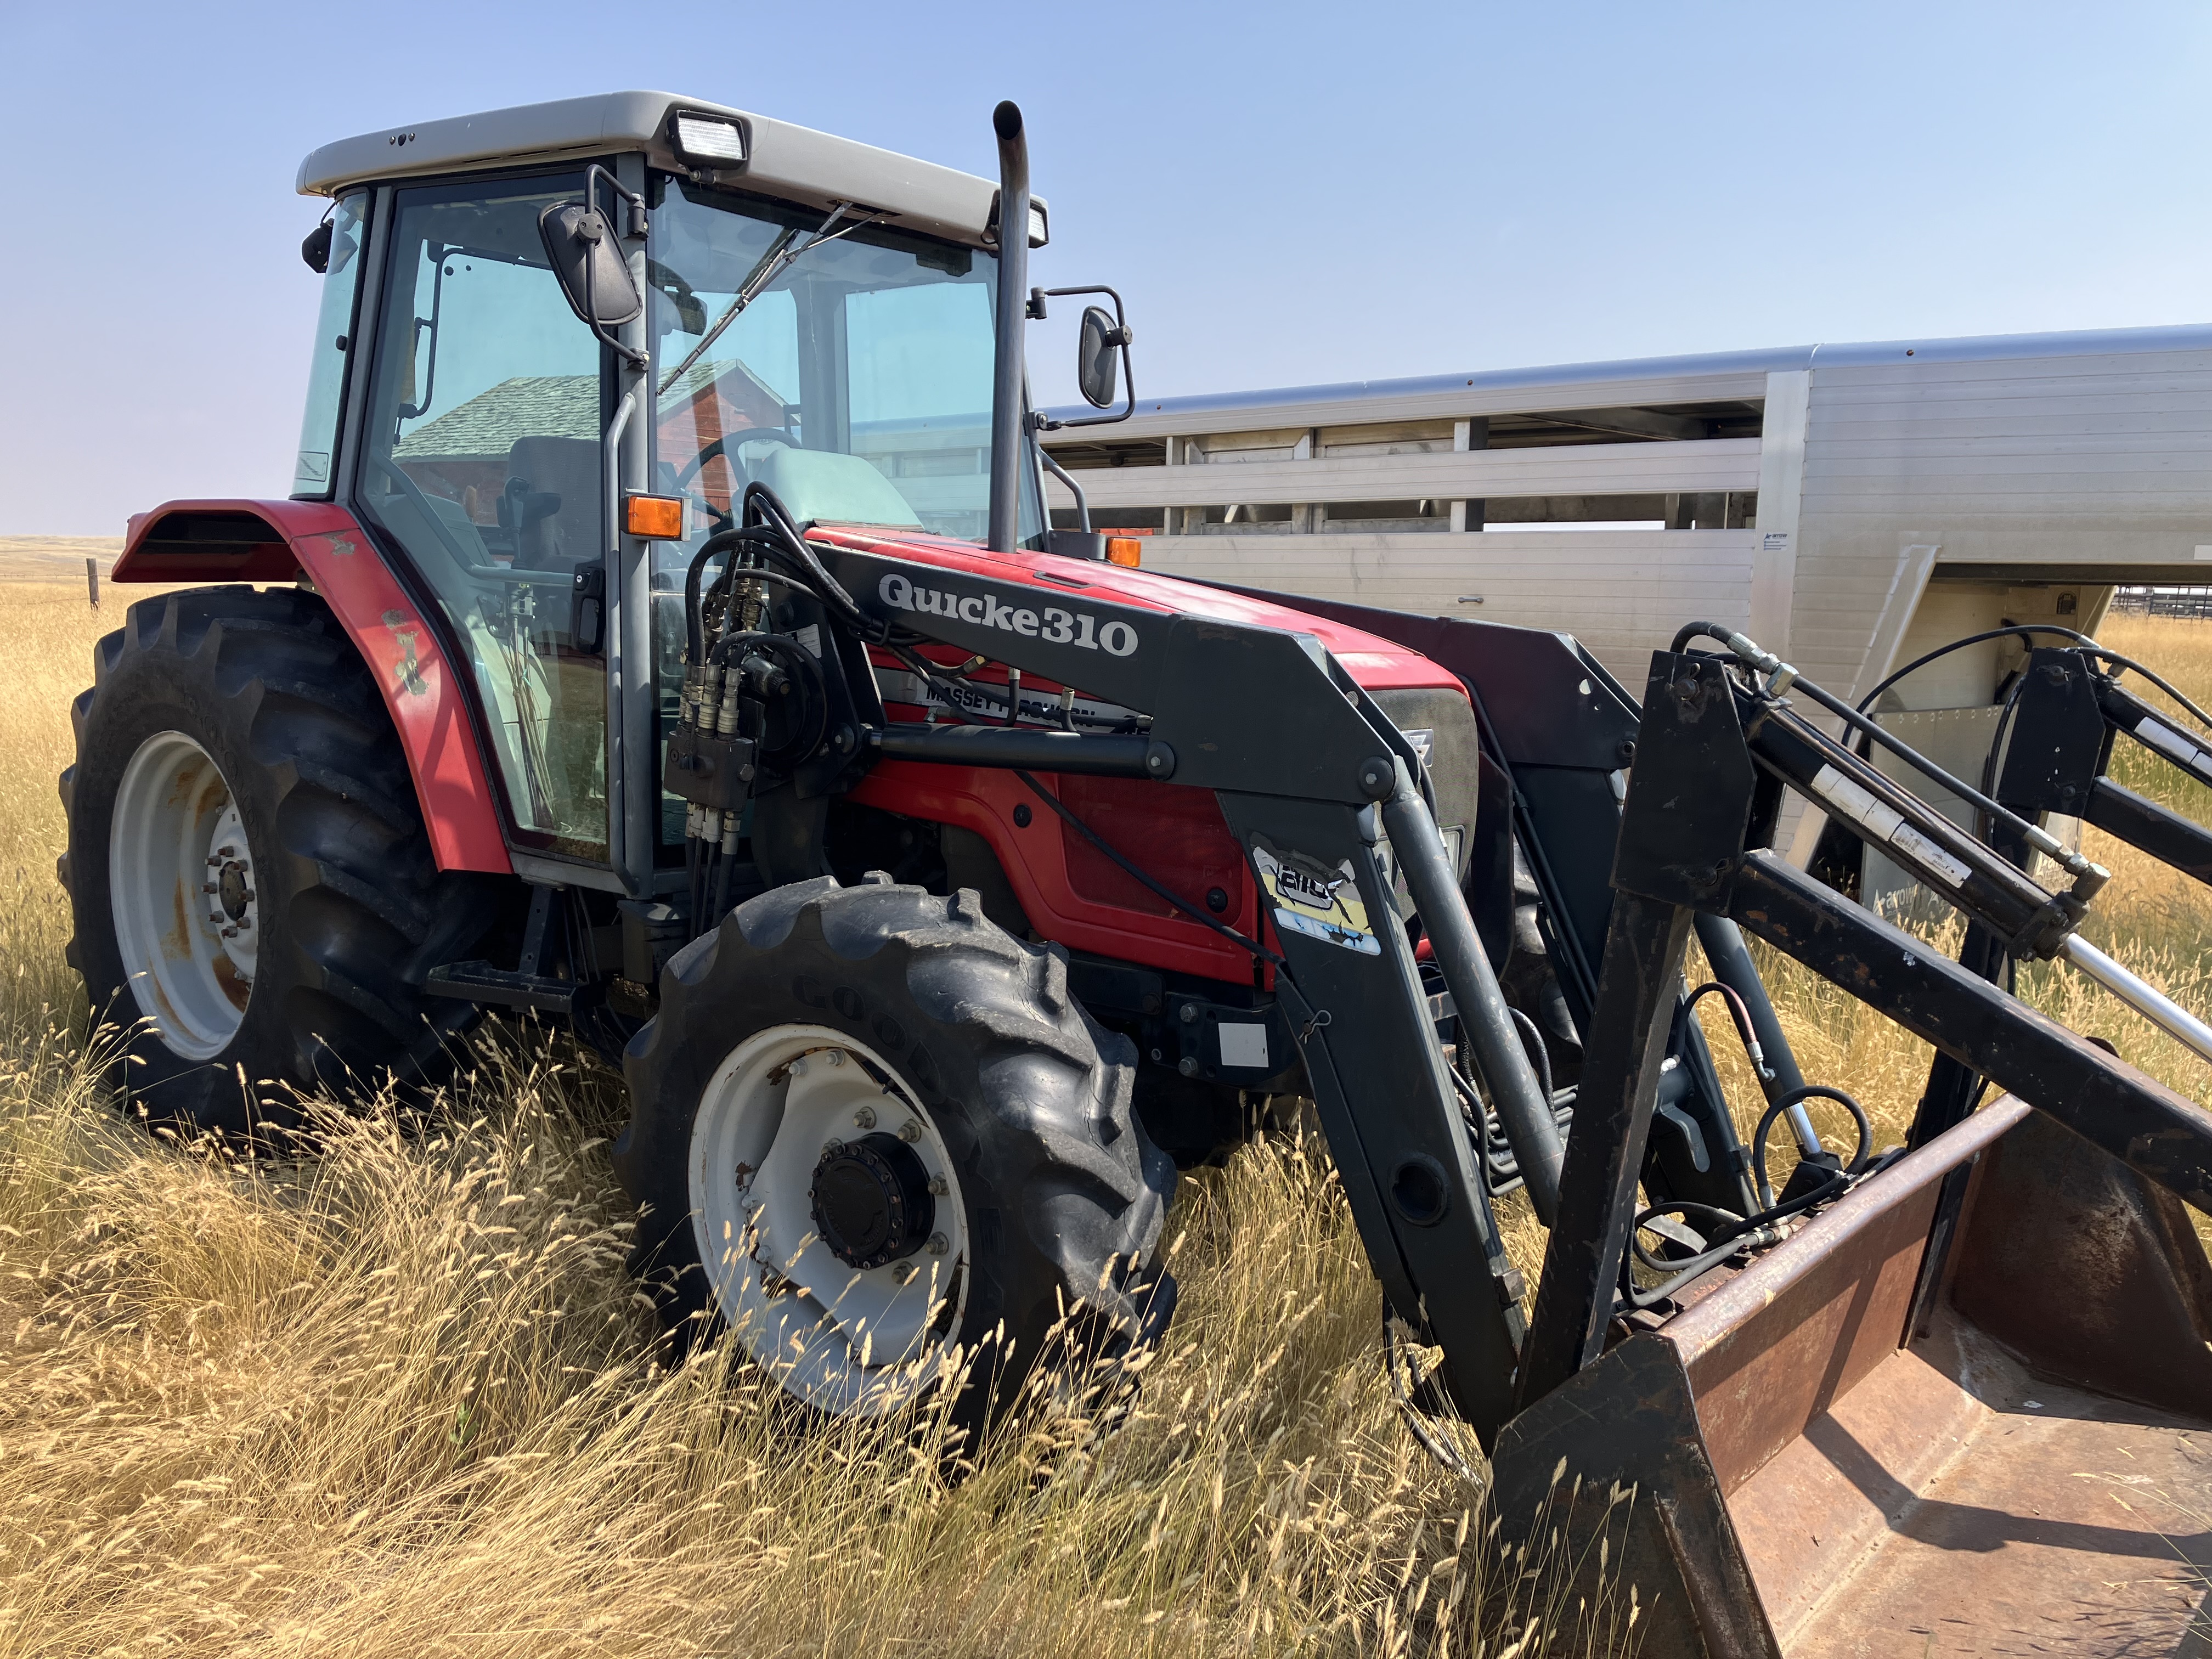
pixel 1125 551
pixel 657 518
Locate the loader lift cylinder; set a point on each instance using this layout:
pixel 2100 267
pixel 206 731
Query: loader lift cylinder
pixel 1499 1057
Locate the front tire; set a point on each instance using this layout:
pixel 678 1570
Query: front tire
pixel 993 1184
pixel 255 900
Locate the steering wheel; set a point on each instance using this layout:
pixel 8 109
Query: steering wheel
pixel 692 468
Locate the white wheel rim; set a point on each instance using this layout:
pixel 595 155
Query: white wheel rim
pixel 181 890
pixel 847 1340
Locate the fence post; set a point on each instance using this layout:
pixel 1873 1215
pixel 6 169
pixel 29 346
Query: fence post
pixel 92 579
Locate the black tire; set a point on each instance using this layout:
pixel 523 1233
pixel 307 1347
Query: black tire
pixel 1064 1193
pixel 351 909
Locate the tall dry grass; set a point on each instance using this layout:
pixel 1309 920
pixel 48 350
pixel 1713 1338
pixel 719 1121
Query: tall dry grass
pixel 401 1398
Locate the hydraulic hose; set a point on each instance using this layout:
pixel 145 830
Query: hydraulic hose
pixel 1722 942
pixel 1499 1058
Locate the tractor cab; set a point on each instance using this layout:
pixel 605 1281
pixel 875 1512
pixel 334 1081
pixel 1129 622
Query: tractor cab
pixel 558 342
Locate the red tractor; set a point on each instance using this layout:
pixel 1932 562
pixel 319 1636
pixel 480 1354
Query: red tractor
pixel 666 633
pixel 668 546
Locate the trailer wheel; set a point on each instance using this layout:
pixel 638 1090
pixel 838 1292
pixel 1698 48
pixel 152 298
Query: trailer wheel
pixel 254 900
pixel 871 1131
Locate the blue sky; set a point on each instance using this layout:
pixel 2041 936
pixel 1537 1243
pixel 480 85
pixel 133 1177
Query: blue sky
pixel 1285 194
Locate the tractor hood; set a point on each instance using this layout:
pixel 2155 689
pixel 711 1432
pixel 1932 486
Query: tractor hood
pixel 1377 665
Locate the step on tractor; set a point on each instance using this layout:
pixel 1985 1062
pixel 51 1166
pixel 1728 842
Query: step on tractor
pixel 666 635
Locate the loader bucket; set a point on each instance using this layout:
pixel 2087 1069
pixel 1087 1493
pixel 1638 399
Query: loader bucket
pixel 1866 1444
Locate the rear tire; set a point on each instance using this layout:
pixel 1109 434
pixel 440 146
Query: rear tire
pixel 233 740
pixel 923 1033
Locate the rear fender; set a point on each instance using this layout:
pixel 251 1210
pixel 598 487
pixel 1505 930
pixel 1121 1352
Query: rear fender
pixel 268 542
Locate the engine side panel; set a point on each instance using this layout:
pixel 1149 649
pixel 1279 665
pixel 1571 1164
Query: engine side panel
pixel 277 542
pixel 1067 902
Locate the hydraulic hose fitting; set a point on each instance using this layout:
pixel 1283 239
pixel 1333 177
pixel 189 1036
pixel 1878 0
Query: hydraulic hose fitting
pixel 1780 675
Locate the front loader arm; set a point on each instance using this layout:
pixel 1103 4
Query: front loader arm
pixel 1301 763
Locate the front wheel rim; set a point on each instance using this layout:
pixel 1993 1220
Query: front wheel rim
pixel 847 1340
pixel 181 888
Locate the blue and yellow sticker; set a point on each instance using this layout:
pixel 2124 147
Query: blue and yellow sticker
pixel 1312 899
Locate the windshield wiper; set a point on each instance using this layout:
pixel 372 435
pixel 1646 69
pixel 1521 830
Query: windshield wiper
pixel 771 264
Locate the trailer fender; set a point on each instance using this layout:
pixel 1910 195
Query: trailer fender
pixel 270 542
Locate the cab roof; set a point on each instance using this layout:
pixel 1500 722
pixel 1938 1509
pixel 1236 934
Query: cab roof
pixel 793 163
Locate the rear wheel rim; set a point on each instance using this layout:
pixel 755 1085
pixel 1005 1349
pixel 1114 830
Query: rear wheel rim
pixel 847 1340
pixel 182 892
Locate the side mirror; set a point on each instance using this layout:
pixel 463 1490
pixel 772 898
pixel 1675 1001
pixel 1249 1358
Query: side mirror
pixel 1098 357
pixel 587 262
pixel 1102 357
pixel 330 246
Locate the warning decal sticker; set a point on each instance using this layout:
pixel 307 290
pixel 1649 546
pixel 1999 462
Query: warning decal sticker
pixel 1312 899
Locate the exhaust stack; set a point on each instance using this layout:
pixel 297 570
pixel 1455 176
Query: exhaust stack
pixel 1014 301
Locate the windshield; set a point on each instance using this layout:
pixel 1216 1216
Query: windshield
pixel 845 364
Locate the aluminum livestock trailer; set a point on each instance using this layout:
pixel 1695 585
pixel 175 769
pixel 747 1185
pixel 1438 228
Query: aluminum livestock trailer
pixel 1848 506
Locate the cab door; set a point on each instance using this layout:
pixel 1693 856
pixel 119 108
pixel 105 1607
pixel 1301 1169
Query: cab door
pixel 481 457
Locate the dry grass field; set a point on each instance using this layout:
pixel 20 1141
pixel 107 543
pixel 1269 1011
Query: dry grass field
pixel 399 1398
pixel 56 559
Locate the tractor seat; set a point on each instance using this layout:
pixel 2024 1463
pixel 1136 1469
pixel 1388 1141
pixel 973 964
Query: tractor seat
pixel 551 502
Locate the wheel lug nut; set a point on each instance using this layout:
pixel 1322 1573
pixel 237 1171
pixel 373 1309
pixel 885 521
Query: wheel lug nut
pixel 864 1118
pixel 835 1056
pixel 832 1147
pixel 903 1272
pixel 210 887
pixel 910 1132
pixel 939 1187
pixel 938 1244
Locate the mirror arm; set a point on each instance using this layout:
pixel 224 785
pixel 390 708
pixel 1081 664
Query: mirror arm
pixel 634 357
pixel 1037 297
